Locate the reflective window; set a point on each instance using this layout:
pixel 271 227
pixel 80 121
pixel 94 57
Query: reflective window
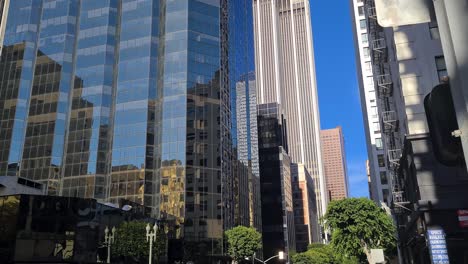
pixel 441 67
pixel 363 24
pixel 383 177
pixel 381 160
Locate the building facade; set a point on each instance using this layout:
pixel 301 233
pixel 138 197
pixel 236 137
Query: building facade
pixel 128 99
pixel 305 208
pixel 285 73
pixel 334 160
pixel 247 141
pixel 275 183
pixel 426 195
pixel 376 164
pixel 48 229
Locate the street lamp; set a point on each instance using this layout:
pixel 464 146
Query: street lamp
pixel 151 236
pixel 279 256
pixel 109 240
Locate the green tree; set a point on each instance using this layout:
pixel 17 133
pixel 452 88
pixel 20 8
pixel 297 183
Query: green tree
pixel 130 242
pixel 303 258
pixel 321 254
pixel 357 226
pixel 243 242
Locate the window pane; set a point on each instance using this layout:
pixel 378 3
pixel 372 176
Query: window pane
pixel 441 67
pixel 364 38
pixel 381 160
pixel 363 24
pixel 378 143
pixel 376 127
pixel 435 34
pixel 361 10
pixel 385 195
pixel 383 177
pixel 368 67
pixel 374 113
pixel 366 53
pixel 442 74
pixel 440 63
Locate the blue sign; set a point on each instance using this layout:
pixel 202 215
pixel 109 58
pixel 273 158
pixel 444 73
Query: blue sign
pixel 438 246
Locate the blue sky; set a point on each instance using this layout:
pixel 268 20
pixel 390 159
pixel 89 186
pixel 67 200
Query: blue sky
pixel 337 84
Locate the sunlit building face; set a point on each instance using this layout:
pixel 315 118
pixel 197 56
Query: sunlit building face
pixel 128 99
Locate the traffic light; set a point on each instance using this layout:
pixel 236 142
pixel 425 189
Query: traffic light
pixel 442 121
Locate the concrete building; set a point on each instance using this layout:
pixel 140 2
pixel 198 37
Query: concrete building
pixel 305 208
pixel 334 160
pixel 285 72
pixel 426 195
pixel 380 185
pixel 275 183
pixel 14 186
pixel 397 68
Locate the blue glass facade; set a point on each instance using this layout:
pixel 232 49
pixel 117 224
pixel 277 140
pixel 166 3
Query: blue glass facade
pixel 132 99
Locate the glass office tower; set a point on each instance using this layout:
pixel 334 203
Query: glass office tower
pixel 128 99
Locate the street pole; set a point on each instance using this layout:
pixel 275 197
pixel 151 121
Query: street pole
pixel 109 240
pixel 151 236
pixel 280 256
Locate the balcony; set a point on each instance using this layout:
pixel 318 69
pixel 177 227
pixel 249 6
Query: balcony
pixel 372 12
pixel 384 85
pixel 379 44
pixel 394 156
pixel 390 121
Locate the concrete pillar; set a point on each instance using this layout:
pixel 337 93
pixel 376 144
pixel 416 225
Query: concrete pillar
pixel 452 18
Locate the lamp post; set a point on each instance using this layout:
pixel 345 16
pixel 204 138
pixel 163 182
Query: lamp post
pixel 151 236
pixel 109 240
pixel 279 256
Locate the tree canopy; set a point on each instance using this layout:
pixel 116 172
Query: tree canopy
pixel 322 254
pixel 243 242
pixel 130 241
pixel 316 254
pixel 357 226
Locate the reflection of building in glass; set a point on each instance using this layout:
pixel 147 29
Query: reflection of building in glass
pixel 3 8
pixel 48 229
pixel 247 141
pixel 131 100
pixel 275 177
pixel 11 65
pixel 242 196
pixel 305 208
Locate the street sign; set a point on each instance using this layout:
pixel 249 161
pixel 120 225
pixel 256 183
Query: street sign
pixel 438 246
pixel 462 218
pixel 377 255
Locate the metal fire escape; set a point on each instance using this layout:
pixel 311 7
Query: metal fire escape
pixel 384 91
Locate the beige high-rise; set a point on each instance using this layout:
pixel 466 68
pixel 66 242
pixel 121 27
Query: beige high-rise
pixel 334 161
pixel 285 72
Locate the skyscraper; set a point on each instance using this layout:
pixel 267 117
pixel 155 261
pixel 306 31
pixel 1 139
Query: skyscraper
pixel 128 99
pixel 275 177
pixel 305 208
pixel 334 160
pixel 285 73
